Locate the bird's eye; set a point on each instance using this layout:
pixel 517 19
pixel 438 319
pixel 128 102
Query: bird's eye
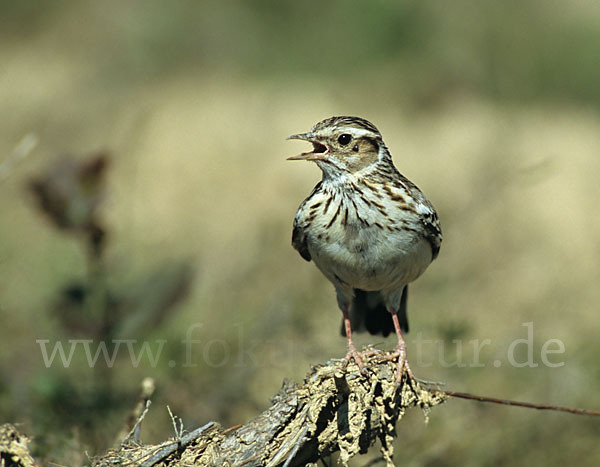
pixel 344 139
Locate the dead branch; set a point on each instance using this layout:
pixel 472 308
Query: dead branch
pixel 14 450
pixel 334 409
pixel 527 405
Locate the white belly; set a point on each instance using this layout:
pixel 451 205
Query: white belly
pixel 368 257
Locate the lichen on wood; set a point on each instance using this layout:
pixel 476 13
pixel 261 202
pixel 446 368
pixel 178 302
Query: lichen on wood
pixel 14 450
pixel 336 408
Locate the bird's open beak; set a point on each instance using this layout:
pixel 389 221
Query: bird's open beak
pixel 319 152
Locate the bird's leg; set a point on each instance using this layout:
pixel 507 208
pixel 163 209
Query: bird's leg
pixel 352 353
pixel 400 352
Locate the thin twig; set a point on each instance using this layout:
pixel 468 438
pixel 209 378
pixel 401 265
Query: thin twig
pixel 231 428
pixel 20 152
pixel 296 447
pixel 171 448
pixel 132 427
pixel 175 420
pixel 134 433
pixel 529 405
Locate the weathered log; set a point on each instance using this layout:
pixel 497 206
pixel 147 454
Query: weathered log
pixel 336 408
pixel 14 450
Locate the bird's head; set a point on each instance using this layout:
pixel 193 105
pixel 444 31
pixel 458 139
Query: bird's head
pixel 342 145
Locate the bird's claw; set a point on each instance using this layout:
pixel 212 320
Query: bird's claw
pixel 398 354
pixel 402 366
pixel 354 354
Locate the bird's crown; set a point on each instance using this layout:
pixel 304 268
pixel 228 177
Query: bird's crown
pixel 360 126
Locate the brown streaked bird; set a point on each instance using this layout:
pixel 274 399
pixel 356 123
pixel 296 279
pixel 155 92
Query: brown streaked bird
pixel 369 229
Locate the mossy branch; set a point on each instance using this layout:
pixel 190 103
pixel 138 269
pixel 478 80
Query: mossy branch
pixel 334 409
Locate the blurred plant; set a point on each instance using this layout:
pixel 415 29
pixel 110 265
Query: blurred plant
pixel 71 194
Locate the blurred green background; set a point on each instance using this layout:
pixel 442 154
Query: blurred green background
pixel 492 108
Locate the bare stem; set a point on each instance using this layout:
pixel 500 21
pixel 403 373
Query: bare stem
pixel 529 405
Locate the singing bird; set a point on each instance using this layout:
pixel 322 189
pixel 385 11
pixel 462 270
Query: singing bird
pixel 369 229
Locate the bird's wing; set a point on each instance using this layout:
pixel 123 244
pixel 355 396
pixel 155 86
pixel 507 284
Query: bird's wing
pixel 429 218
pixel 300 225
pixel 433 232
pixel 299 241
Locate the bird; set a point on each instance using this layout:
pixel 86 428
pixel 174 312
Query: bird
pixel 367 228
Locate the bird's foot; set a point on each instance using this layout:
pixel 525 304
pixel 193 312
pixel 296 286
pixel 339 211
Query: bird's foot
pixel 354 354
pixel 403 366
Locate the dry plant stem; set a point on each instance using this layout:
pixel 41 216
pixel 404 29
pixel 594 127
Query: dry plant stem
pixel 97 305
pixel 130 430
pixel 20 152
pixel 529 405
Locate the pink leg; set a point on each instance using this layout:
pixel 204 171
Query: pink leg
pixel 400 352
pixel 352 353
pixel 401 348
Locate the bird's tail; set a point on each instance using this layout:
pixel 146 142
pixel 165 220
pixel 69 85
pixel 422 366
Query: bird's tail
pixel 369 313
